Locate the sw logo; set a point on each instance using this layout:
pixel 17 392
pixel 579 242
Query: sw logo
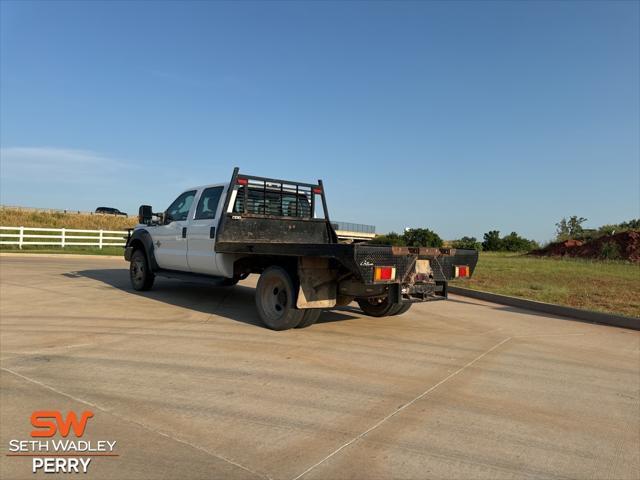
pixel 48 428
pixel 47 424
pixel 62 454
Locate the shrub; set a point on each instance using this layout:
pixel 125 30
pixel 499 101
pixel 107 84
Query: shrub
pixel 633 224
pixel 515 243
pixel 391 238
pixel 422 237
pixel 610 251
pixel 467 242
pixel 510 243
pixel 414 237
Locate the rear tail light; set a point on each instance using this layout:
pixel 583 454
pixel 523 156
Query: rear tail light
pixel 317 190
pixel 462 271
pixel 242 181
pixel 384 274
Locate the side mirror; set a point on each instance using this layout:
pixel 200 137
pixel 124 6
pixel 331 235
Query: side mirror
pixel 145 214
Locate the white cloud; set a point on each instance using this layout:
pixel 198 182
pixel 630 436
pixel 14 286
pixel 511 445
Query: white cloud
pixel 58 164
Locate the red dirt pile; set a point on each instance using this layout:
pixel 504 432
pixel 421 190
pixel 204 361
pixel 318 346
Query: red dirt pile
pixel 621 246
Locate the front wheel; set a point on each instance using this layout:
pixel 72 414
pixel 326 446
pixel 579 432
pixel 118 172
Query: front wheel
pixel 139 273
pixel 276 300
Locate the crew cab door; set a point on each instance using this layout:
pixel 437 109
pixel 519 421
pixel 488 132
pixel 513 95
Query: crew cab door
pixel 170 239
pixel 201 235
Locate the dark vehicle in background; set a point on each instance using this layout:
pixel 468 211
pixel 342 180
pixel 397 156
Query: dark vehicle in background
pixel 281 231
pixel 110 211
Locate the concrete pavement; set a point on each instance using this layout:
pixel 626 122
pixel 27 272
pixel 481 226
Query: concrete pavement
pixel 190 385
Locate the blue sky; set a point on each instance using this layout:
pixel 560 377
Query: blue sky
pixel 461 117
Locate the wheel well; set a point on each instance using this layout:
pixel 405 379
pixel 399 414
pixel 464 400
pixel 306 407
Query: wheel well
pixel 259 263
pixel 137 244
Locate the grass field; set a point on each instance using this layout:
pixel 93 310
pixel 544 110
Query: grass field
pixel 607 286
pixel 10 217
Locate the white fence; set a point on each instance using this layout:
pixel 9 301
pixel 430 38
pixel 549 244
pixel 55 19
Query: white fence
pixel 62 237
pixel 71 237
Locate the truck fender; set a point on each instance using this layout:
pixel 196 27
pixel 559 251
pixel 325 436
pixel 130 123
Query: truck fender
pixel 141 238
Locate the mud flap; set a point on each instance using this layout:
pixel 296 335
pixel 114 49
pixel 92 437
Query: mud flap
pixel 318 286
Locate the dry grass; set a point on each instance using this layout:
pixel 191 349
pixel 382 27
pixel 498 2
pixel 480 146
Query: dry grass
pixel 10 217
pixel 606 286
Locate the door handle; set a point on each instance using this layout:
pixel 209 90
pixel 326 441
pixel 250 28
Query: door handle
pixel 212 232
pixel 184 232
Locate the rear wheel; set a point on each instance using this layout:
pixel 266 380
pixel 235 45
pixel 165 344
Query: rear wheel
pixel 276 300
pixel 402 308
pixel 376 306
pixel 343 300
pixel 141 276
pixel 311 316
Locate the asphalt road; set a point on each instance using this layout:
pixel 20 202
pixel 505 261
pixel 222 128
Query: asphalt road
pixel 190 385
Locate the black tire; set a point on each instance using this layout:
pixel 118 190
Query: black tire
pixel 376 307
pixel 402 308
pixel 311 316
pixel 276 300
pixel 140 274
pixel 343 300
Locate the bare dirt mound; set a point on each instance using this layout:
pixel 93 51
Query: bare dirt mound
pixel 621 246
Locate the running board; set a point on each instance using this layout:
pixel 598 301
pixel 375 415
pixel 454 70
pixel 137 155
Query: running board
pixel 200 278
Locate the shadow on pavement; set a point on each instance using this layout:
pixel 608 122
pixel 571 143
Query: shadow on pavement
pixel 235 303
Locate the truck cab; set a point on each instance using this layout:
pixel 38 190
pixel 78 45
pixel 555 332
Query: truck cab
pixel 184 239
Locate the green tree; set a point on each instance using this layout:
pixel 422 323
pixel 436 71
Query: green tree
pixel 391 238
pixel 515 243
pixel 422 237
pixel 467 242
pixel 570 229
pixel 492 241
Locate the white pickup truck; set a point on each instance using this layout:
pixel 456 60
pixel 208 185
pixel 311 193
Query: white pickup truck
pixel 281 230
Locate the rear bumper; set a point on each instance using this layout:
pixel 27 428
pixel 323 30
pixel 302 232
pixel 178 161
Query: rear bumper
pixel 423 292
pixel 414 292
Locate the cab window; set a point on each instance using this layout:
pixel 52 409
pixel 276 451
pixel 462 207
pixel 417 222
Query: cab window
pixel 179 209
pixel 208 204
